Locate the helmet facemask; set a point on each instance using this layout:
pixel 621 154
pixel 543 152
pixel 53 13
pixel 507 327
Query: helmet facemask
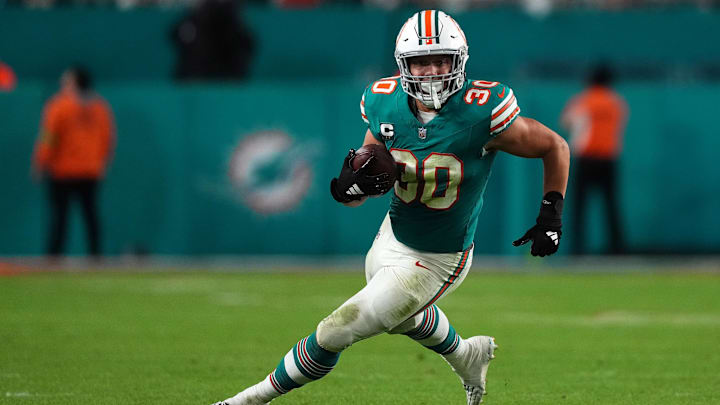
pixel 433 90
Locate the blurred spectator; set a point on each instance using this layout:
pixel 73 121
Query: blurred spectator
pixel 596 121
pixel 212 42
pixel 74 147
pixel 7 77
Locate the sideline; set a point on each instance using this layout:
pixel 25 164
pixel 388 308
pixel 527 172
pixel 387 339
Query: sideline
pixel 14 266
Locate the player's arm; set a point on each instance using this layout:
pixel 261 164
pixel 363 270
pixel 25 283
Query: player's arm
pixel 528 138
pixel 370 138
pixel 352 187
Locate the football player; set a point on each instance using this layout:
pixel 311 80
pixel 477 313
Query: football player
pixel 444 132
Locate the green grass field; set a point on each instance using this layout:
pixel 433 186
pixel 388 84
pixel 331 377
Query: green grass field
pixel 196 338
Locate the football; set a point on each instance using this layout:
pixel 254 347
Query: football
pixel 382 161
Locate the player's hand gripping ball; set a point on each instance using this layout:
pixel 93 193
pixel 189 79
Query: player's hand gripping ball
pixel 369 171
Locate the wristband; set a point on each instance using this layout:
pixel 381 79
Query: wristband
pixel 551 210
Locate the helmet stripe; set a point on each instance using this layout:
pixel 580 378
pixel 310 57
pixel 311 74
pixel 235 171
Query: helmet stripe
pixel 419 25
pixel 428 25
pixel 437 26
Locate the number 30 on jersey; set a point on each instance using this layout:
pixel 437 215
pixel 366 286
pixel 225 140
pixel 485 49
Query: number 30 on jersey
pixel 408 188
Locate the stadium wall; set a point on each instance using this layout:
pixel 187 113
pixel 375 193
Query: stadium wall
pixel 244 169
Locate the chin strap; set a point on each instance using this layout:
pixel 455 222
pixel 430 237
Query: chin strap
pixel 433 88
pixel 436 99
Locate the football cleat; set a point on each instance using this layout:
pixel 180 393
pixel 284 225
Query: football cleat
pixel 474 394
pixel 482 350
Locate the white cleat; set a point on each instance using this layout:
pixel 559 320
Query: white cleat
pixel 482 350
pixel 474 394
pixel 248 396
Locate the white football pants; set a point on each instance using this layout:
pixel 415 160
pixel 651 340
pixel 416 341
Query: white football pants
pixel 401 283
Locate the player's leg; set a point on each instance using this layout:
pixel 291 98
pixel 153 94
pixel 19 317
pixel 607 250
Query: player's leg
pixel 469 358
pixel 381 305
pixel 429 326
pixel 305 362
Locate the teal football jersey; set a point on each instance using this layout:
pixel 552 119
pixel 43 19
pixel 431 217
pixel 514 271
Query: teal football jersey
pixel 444 168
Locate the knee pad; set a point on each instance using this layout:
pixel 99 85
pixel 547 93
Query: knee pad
pixel 335 333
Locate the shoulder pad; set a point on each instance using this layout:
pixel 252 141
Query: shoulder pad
pixel 478 92
pixel 504 108
pixel 377 95
pixel 495 100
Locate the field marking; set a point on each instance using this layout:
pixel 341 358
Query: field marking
pixel 9 375
pixel 625 317
pixel 618 318
pixel 237 300
pixel 18 394
pixel 635 264
pixel 25 394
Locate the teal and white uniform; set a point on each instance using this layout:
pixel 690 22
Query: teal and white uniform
pixel 445 169
pixel 424 246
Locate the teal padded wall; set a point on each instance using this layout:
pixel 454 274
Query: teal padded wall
pixel 169 190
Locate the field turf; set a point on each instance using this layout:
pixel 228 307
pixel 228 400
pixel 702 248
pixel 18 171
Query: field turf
pixel 198 337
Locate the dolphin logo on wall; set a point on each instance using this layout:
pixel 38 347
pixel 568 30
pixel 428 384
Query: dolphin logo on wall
pixel 270 172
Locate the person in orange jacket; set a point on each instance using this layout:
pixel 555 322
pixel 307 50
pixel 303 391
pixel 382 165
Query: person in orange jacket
pixel 75 145
pixel 8 80
pixel 596 121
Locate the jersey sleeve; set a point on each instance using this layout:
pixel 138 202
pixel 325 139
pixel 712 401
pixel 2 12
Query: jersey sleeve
pixel 362 109
pixel 505 109
pixel 367 114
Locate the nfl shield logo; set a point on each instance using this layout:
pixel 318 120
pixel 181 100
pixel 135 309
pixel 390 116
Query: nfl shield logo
pixel 422 133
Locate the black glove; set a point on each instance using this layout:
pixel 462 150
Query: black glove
pixel 545 235
pixel 352 185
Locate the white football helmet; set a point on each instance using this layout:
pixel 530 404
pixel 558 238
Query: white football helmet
pixel 431 32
